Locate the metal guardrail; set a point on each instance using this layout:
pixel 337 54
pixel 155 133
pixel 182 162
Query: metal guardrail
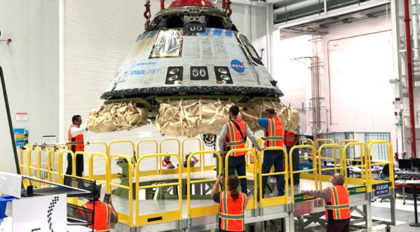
pixel 158 167
pixel 266 202
pixel 200 148
pixel 313 169
pixel 362 162
pixel 336 167
pixel 190 212
pixel 125 218
pixel 55 172
pixel 142 220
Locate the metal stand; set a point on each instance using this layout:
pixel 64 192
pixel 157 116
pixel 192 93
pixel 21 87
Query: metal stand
pixel 416 222
pixel 367 210
pixel 9 119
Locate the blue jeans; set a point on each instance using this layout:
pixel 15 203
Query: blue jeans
pixel 296 163
pixel 275 158
pixel 238 164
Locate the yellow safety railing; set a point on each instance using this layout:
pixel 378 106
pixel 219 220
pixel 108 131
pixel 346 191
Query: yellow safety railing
pixel 107 169
pixel 362 164
pixel 55 153
pixel 60 173
pixel 202 211
pixel 200 148
pixel 336 167
pixel 21 162
pixel 122 217
pixel 252 204
pixel 312 143
pixel 142 220
pixel 340 145
pixel 73 157
pixel 390 163
pixel 156 151
pixel 133 147
pixel 98 143
pixel 306 172
pixel 272 201
pixel 344 141
pixel 318 142
pixel 29 160
pixel 163 154
pixel 41 151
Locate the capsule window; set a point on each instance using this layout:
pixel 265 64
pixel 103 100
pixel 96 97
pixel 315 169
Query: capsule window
pixel 168 43
pixel 249 50
pixel 174 21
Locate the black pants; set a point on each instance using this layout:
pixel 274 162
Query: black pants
pixel 79 165
pixel 296 163
pixel 276 158
pixel 338 225
pixel 238 164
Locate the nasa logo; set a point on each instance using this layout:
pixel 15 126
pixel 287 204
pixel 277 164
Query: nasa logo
pixel 237 66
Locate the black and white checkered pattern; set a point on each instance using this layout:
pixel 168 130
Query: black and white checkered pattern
pixel 50 211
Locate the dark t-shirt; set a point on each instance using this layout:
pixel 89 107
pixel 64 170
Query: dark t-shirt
pixel 216 197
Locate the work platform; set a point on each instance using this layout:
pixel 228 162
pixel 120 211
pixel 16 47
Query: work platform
pixel 186 204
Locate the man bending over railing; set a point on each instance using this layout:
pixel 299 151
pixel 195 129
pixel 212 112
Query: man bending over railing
pixel 337 210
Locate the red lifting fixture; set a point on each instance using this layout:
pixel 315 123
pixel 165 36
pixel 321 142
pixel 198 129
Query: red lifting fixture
pixel 162 4
pixel 147 13
pixel 181 3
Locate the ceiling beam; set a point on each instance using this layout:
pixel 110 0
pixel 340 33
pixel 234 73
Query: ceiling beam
pixel 333 13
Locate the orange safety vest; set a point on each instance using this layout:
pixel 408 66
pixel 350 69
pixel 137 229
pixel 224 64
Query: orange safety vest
pixel 274 134
pixel 232 212
pixel 165 165
pixel 234 138
pixel 102 218
pixel 79 140
pixel 338 206
pixel 290 138
pixel 102 212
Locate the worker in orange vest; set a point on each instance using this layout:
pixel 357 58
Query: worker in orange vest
pixel 233 135
pixel 76 143
pixel 337 210
pixel 105 216
pixel 273 131
pixel 291 139
pixel 232 205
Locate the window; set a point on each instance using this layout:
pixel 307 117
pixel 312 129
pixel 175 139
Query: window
pixel 168 43
pixel 249 50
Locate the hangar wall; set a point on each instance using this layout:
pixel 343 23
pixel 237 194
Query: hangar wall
pixel 359 67
pixel 30 65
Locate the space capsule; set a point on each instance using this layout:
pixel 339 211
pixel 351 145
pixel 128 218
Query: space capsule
pixel 189 52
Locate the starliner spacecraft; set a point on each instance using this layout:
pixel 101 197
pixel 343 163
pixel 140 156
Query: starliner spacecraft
pixel 190 50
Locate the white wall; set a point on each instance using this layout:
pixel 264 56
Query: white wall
pixel 30 65
pixel 360 69
pixel 98 35
pixel 360 64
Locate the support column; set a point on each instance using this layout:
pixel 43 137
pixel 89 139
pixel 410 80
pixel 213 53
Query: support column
pixel 367 210
pixel 269 36
pixel 392 208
